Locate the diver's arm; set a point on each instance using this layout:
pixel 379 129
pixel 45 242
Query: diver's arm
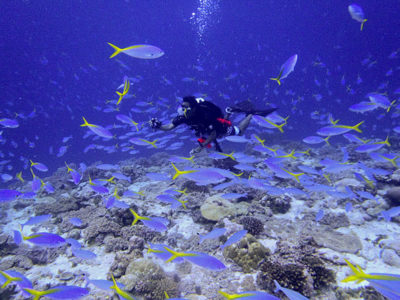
pixel 156 124
pixel 167 127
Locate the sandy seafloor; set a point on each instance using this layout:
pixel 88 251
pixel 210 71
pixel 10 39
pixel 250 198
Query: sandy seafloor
pixel 289 245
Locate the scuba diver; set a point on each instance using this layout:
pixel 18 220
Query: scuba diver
pixel 208 121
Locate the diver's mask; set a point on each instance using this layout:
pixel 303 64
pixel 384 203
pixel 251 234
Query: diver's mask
pixel 183 110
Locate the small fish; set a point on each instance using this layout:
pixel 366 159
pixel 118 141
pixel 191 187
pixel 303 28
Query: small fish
pixel 37 220
pixel 127 120
pixel 215 233
pixel 62 150
pixel 75 221
pixel 234 238
pixel 158 176
pixel 97 129
pixel 83 254
pixel 99 189
pixel 331 131
pixel 49 187
pixel 201 259
pixel 268 123
pixel 127 84
pixel 142 142
pixel 107 167
pixel 380 100
pixel 386 284
pixel 237 139
pixel 313 140
pixel 249 295
pixel 60 292
pixel 121 293
pixel 9 276
pixel 291 294
pixel 39 166
pixel 9 123
pixel 367 148
pixel 6 177
pixel 390 213
pixel 286 69
pixel 160 251
pixel 357 14
pixel 9 195
pixel 205 177
pixel 76 177
pixel 73 243
pixel 139 51
pixel 363 107
pixel 44 239
pixel 155 223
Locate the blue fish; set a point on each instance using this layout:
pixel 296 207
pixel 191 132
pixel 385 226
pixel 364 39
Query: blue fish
pixel 231 196
pixel 9 276
pixel 204 260
pixel 84 254
pixel 234 238
pixel 120 204
pixel 156 223
pixel 357 13
pixel 201 259
pixel 291 294
pixel 286 69
pixel 75 221
pixel 36 220
pixel 390 213
pixel 313 140
pixel 9 195
pixel 386 284
pixel 44 239
pixel 249 295
pixel 60 292
pixel 215 233
pixel 104 284
pixel 99 189
pixel 160 251
pixel 73 243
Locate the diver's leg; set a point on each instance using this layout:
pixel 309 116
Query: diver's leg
pixel 244 124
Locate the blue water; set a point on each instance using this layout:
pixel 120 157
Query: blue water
pixel 55 66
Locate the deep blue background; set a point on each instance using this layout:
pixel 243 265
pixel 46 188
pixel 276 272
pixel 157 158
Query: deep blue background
pixel 54 61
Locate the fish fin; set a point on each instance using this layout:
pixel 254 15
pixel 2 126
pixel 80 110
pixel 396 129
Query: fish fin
pixel 117 50
pixel 362 24
pixel 177 172
pixel 37 294
pixel 355 127
pixel 277 79
pixel 9 279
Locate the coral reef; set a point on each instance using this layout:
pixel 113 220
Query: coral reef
pixel 279 205
pixel 296 267
pixel 247 253
pixel 146 278
pixel 253 225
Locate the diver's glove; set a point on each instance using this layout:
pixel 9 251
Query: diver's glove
pixel 155 123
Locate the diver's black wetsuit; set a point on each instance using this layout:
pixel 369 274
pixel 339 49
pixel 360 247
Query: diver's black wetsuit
pixel 204 120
